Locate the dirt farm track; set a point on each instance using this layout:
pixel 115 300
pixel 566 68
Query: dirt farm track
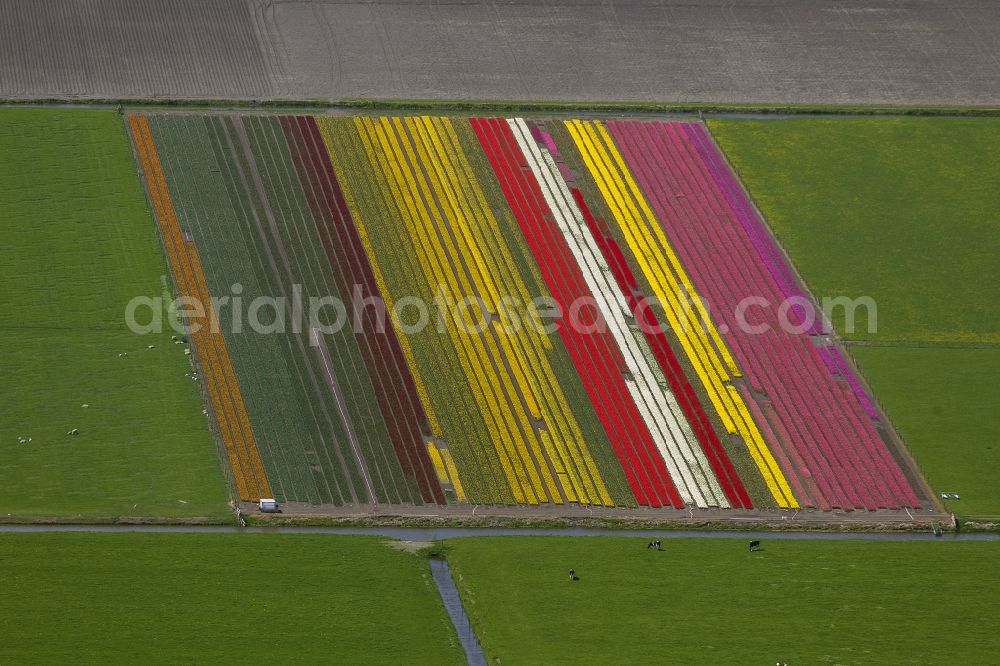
pixel 872 51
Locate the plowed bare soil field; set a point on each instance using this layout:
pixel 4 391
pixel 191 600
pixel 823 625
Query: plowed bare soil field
pixel 786 51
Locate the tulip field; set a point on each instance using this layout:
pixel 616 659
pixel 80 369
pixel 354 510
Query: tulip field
pixel 513 312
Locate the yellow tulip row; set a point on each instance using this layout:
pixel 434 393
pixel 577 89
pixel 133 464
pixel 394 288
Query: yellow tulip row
pixel 502 269
pixel 435 455
pixel 497 345
pixel 456 482
pixel 489 389
pixel 394 157
pixel 492 266
pixel 444 467
pixel 368 193
pixel 698 336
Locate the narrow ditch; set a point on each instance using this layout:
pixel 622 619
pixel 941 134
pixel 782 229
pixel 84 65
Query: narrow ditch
pixel 453 604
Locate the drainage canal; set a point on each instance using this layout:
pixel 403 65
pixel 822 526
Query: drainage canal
pixel 453 604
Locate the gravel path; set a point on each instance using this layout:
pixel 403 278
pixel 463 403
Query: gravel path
pixel 855 51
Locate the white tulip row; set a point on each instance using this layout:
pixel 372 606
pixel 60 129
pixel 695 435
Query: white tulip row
pixel 675 440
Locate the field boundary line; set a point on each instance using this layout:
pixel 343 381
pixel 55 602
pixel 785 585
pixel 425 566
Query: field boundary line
pixel 520 107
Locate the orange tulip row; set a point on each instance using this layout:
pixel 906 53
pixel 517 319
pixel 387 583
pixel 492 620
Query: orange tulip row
pixel 224 393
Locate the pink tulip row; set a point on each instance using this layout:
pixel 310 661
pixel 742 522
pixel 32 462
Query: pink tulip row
pixel 826 443
pixel 769 253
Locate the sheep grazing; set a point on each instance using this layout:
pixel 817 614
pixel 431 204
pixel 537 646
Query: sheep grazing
pixel 74 432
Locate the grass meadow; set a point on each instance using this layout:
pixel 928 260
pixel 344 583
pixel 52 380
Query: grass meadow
pixel 939 399
pixel 710 601
pixel 903 210
pixel 218 599
pixel 78 243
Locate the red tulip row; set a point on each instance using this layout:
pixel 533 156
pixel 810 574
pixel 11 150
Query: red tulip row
pixel 718 458
pixel 595 355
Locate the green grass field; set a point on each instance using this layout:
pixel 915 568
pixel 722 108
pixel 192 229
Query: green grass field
pixel 940 400
pixel 903 210
pixel 709 601
pixel 78 243
pixel 218 599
